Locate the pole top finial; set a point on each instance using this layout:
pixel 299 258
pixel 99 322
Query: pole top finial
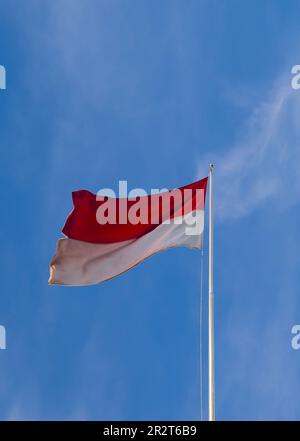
pixel 211 166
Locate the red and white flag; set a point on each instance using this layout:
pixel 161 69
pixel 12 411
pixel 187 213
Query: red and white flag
pixel 107 236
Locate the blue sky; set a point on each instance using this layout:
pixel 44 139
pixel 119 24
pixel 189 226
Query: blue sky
pixel 151 92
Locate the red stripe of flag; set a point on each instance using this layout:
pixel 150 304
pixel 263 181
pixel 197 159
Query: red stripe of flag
pixel 82 222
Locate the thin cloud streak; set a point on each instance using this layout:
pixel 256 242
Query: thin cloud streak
pixel 260 167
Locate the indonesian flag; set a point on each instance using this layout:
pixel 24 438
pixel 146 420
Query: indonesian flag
pixel 107 236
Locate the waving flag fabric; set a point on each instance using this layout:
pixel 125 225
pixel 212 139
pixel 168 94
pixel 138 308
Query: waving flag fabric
pixel 107 236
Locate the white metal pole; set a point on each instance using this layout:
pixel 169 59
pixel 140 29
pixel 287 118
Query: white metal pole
pixel 211 354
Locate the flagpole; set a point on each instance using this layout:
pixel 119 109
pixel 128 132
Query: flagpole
pixel 211 352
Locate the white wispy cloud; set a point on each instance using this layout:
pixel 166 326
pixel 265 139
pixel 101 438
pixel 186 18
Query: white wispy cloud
pixel 262 166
